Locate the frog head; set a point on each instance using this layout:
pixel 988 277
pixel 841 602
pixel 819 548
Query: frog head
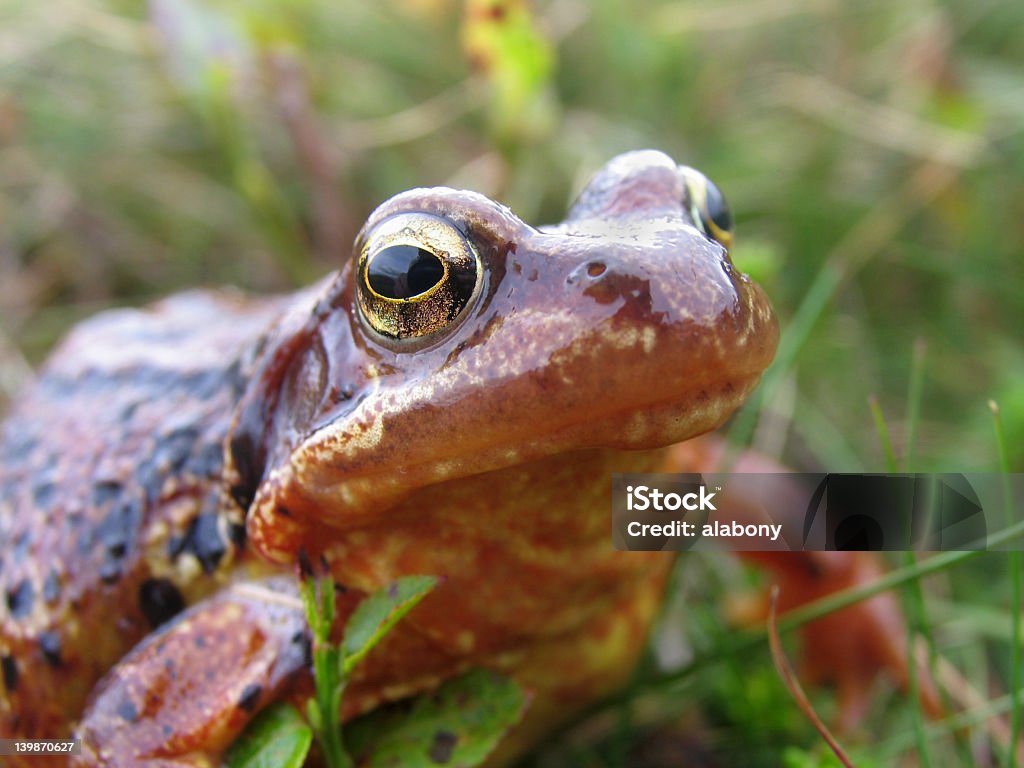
pixel 460 340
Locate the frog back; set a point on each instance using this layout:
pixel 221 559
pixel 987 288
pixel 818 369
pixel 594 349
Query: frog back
pixel 112 510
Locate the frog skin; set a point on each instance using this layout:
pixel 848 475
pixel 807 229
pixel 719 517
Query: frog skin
pixel 164 474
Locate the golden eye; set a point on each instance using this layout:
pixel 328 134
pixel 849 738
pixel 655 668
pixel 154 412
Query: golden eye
pixel 708 207
pixel 416 274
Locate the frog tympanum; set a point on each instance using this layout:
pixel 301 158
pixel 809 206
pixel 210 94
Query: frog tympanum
pixel 452 402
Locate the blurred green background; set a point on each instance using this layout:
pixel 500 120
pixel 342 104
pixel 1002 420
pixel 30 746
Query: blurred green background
pixel 872 151
pixel 148 148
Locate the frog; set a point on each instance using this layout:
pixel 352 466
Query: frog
pixel 453 401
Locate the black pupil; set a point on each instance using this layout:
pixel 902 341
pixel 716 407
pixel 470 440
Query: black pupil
pixel 718 209
pixel 404 271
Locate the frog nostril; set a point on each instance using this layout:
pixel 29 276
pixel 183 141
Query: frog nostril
pixel 596 268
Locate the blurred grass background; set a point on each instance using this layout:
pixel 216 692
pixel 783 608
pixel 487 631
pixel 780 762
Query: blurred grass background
pixel 873 154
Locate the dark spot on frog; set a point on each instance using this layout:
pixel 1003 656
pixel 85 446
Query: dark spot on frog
pixel 126 710
pixel 236 534
pixel 305 564
pixel 128 411
pixel 173 449
pixel 110 571
pixel 105 491
pixel 305 643
pixel 43 494
pixel 159 601
pixel 442 747
pixel 633 291
pixel 117 531
pixel 199 641
pixel 9 667
pixel 202 539
pixel 49 644
pixel 456 351
pixel 51 587
pixel 207 461
pixel 247 457
pixel 603 284
pixel 149 477
pixel 20 599
pixel 282 510
pixel 338 394
pixel 250 697
pixel 235 380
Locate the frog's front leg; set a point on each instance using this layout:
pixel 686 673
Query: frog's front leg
pixel 181 696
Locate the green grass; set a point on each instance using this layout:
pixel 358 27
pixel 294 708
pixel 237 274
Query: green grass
pixel 872 151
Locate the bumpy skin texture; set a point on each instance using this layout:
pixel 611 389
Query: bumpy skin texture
pixel 167 457
pixel 111 499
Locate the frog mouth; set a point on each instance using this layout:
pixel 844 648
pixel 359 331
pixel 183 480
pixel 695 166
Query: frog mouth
pixel 361 488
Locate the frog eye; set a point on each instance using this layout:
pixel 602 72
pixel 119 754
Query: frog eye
pixel 416 273
pixel 707 206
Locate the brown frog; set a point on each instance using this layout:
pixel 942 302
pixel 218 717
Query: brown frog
pixel 452 402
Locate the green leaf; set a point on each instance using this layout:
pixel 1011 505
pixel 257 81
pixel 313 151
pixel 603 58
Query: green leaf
pixel 460 724
pixel 820 757
pixel 313 714
pixel 307 591
pixel 317 595
pixel 277 738
pixel 378 613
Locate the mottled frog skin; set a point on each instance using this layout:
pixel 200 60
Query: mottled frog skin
pixel 456 409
